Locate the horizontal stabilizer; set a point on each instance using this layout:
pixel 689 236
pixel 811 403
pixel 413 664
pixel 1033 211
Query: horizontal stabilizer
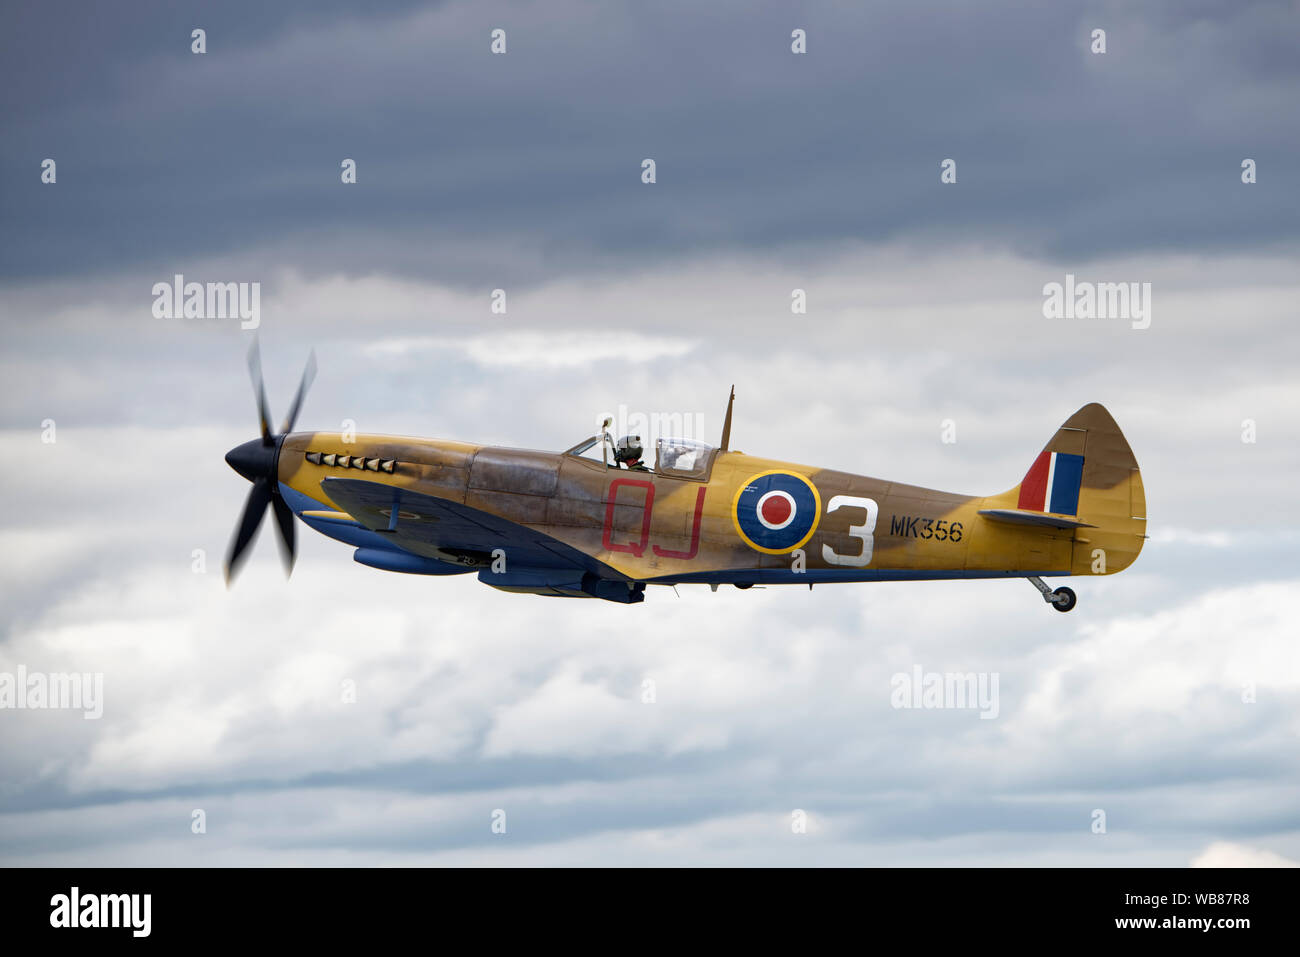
pixel 1016 517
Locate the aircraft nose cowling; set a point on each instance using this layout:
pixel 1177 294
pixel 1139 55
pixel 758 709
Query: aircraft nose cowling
pixel 252 460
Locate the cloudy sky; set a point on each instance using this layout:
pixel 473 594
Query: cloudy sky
pixel 1167 699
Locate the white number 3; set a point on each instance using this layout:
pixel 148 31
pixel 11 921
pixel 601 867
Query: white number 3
pixel 863 533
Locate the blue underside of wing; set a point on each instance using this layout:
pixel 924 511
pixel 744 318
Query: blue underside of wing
pixel 372 548
pixel 426 520
pixel 817 576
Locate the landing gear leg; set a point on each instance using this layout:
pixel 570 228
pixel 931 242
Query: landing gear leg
pixel 1062 599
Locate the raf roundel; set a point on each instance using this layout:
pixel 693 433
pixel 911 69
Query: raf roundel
pixel 776 512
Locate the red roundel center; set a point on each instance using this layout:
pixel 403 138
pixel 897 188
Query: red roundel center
pixel 776 509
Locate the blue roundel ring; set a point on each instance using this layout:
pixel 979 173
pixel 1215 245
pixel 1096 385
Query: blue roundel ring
pixel 776 512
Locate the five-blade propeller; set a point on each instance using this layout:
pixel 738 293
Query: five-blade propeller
pixel 256 460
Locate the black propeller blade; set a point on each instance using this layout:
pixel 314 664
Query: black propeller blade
pixel 259 392
pixel 288 542
pixel 256 461
pixel 254 508
pixel 308 374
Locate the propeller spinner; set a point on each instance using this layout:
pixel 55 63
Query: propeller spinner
pixel 256 460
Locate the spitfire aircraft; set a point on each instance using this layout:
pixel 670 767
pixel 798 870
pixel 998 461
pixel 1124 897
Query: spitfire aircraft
pixel 594 521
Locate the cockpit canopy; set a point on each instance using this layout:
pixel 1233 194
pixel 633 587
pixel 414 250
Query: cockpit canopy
pixel 687 458
pixel 678 457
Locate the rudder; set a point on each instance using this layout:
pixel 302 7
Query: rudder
pixel 1088 472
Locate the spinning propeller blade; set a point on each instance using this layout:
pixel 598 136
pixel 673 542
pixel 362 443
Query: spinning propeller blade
pixel 308 374
pixel 249 521
pixel 259 392
pixel 256 460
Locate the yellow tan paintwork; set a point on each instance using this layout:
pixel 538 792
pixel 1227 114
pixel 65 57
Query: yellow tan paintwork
pixel 574 507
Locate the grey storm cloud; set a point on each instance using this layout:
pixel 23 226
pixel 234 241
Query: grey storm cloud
pixel 163 154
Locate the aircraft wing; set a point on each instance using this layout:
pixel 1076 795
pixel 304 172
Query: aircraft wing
pixel 428 525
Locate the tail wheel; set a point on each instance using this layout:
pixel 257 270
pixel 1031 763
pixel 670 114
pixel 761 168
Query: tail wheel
pixel 1063 599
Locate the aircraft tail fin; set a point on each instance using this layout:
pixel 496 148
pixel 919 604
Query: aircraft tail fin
pixel 1086 479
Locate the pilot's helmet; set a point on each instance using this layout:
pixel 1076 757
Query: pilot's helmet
pixel 628 449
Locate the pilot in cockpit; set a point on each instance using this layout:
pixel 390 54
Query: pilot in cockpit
pixel 628 452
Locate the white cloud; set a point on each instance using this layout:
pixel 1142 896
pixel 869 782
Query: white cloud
pixel 538 350
pixel 1166 535
pixel 766 700
pixel 1228 854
